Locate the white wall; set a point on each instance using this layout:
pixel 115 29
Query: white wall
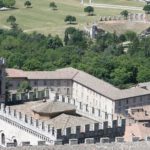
pixel 94 100
pixel 12 132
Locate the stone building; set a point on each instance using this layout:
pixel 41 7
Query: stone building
pixel 94 98
pixel 59 80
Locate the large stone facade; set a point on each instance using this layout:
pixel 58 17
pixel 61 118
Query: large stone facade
pixel 96 98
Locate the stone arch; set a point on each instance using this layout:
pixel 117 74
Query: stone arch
pixel 3 139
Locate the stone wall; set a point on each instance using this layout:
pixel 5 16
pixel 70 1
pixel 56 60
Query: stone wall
pixel 106 146
pixel 24 128
pixel 138 17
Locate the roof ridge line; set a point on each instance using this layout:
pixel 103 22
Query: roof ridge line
pixel 75 74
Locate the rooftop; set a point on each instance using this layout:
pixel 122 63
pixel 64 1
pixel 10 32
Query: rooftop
pixel 145 85
pixel 49 108
pixel 64 121
pixel 61 121
pixel 15 73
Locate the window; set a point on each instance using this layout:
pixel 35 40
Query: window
pixel 35 83
pixel 3 138
pixel 119 103
pixel 82 95
pixel 74 102
pixel 93 110
pixel 0 73
pixel 52 82
pixel 106 116
pixel 141 99
pixel 87 108
pixel 68 91
pixel 80 105
pixel 0 87
pixel 45 82
pixel 127 101
pixel 15 142
pixel 68 83
pixel 58 90
pixel 58 82
pixel 99 112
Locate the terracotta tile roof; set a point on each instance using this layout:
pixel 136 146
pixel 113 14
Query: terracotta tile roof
pixel 15 73
pixel 63 121
pixel 66 73
pixel 97 85
pixel 52 108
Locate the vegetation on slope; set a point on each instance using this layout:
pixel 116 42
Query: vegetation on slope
pixel 104 58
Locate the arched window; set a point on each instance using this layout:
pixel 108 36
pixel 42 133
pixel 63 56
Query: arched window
pixel 3 138
pixel 15 143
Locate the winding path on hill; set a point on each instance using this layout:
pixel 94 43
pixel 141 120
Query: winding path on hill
pixel 113 6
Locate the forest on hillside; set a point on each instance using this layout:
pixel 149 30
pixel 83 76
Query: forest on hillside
pixel 105 57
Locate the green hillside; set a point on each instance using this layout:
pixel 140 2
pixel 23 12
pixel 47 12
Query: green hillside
pixel 42 19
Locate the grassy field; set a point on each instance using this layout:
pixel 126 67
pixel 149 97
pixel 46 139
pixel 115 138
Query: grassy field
pixel 42 19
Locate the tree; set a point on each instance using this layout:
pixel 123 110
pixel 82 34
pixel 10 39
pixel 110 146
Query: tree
pixel 27 4
pixel 13 43
pixel 68 32
pixel 54 42
pixel 24 87
pixel 32 64
pixel 70 19
pixel 9 3
pixel 12 21
pixel 125 14
pixel 89 10
pixel 1 3
pixel 130 35
pixel 53 5
pixel 147 9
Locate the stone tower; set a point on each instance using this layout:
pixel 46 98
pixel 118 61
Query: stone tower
pixel 2 80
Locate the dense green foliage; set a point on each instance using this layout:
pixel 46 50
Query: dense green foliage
pixel 7 3
pixel 24 87
pixel 89 10
pixel 12 21
pixel 53 5
pixel 27 4
pixel 70 19
pixel 147 9
pixel 125 14
pixel 104 57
